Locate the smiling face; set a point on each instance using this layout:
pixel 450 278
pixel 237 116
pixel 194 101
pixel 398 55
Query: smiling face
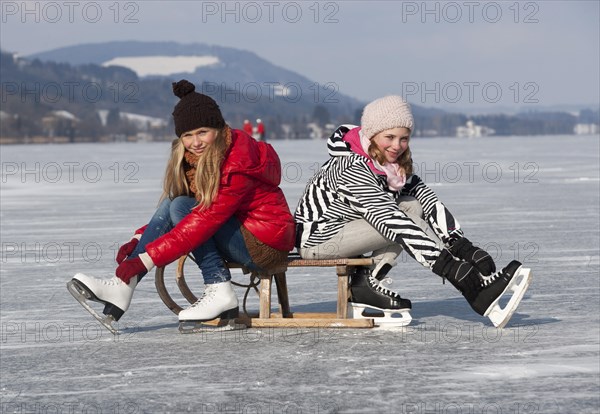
pixel 197 140
pixel 392 142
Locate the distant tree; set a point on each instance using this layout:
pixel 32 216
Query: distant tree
pixel 321 115
pixel 588 116
pixel 8 127
pixel 356 116
pixel 90 127
pixel 113 119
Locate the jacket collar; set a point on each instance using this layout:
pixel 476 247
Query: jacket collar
pixel 345 141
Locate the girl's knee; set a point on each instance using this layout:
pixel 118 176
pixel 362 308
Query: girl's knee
pixel 164 208
pixel 412 207
pixel 180 207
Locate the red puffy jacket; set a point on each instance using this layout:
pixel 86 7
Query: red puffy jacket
pixel 250 176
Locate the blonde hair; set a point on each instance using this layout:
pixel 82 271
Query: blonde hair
pixel 174 183
pixel 208 171
pixel 404 160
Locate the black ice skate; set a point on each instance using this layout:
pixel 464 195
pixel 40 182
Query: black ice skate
pixel 485 292
pixel 479 258
pixel 513 280
pixel 367 292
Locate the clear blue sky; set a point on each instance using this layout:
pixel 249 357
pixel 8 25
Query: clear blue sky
pixel 453 55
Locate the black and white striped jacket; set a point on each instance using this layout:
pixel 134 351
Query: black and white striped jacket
pixel 346 189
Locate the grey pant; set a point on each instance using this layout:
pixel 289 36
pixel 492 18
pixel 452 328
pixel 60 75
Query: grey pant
pixel 359 237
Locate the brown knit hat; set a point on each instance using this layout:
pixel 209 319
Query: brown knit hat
pixel 194 110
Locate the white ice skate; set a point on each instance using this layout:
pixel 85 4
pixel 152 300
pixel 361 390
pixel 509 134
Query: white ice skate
pixel 500 315
pixel 391 318
pixel 218 301
pixel 113 293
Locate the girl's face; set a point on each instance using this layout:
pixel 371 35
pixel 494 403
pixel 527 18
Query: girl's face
pixel 197 140
pixel 392 142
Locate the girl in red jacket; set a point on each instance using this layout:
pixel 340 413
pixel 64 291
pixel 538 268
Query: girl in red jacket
pixel 221 202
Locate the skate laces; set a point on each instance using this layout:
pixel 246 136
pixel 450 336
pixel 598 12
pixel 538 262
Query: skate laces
pixel 207 295
pixel 488 280
pixel 378 286
pixel 386 281
pixel 115 281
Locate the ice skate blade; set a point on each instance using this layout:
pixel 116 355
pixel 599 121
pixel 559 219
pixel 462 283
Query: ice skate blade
pixel 518 286
pixel 82 295
pixel 190 327
pixel 392 318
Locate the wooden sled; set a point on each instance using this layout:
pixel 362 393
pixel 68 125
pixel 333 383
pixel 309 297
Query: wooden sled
pixel 262 283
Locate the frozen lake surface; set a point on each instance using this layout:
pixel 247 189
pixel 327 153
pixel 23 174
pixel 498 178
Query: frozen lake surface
pixel 66 208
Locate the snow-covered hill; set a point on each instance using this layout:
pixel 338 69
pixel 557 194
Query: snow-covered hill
pixel 246 74
pixel 162 65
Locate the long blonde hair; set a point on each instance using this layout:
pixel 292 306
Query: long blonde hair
pixel 208 171
pixel 404 160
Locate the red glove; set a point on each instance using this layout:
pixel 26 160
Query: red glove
pixel 126 249
pixel 131 268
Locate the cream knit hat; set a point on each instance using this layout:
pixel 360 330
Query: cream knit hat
pixel 386 113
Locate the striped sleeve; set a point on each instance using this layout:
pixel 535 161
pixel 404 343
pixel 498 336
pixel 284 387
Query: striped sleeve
pixel 360 189
pixel 435 212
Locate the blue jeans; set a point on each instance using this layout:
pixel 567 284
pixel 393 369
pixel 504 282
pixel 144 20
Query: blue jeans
pixel 227 244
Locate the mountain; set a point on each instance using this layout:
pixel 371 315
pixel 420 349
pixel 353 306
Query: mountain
pixel 241 76
pixel 231 65
pixel 237 73
pixel 121 90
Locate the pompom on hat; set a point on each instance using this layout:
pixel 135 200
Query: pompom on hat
pixel 194 110
pixel 386 113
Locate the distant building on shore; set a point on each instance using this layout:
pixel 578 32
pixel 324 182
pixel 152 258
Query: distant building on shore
pixel 470 130
pixel 60 123
pixel 586 129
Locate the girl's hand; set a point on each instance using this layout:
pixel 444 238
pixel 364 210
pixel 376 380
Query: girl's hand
pixel 126 249
pixel 138 266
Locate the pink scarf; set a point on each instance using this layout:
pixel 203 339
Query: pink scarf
pixel 359 143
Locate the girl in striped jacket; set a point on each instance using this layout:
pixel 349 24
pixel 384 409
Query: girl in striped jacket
pixel 365 198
